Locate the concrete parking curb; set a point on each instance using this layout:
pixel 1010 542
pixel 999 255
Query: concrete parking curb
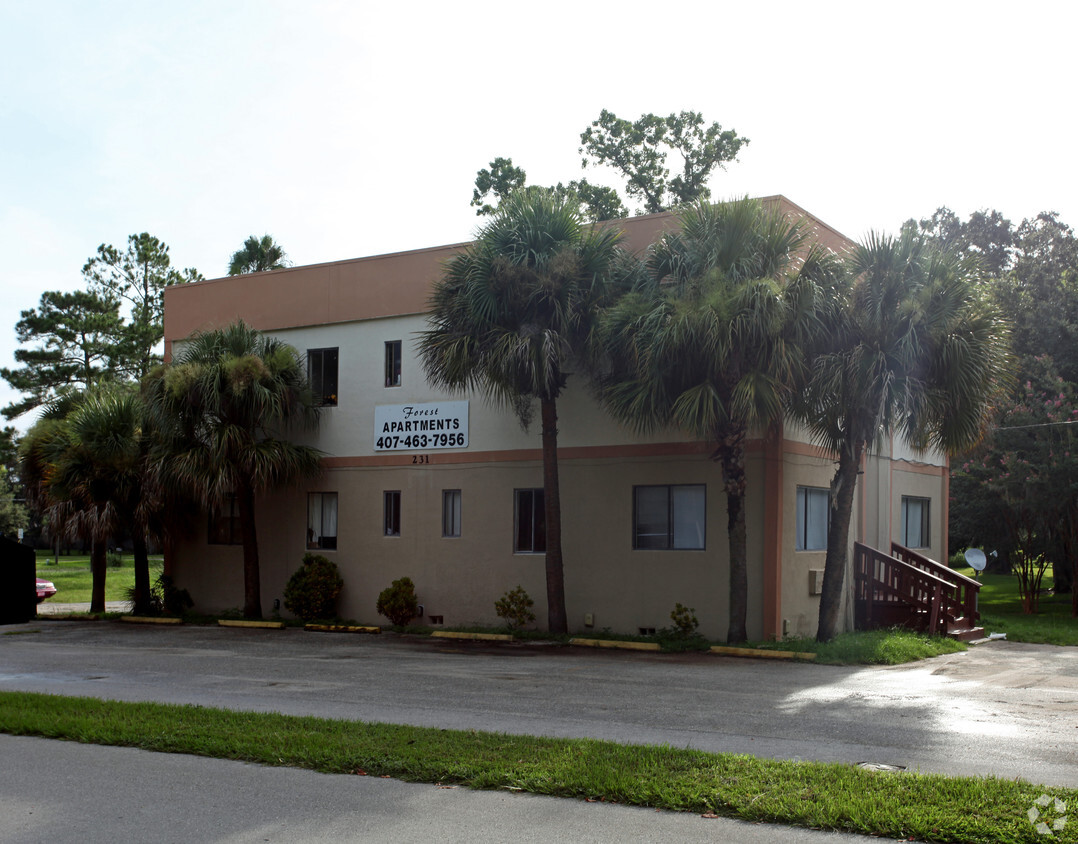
pixel 613 643
pixel 479 637
pixel 150 619
pixel 341 628
pixel 267 625
pixel 760 653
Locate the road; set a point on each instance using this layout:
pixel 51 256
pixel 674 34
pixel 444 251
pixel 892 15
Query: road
pixel 1002 708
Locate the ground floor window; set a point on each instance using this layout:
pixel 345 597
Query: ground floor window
pixel 813 518
pixel 451 512
pixel 224 527
pixel 915 533
pixel 669 517
pixel 529 536
pixel 392 513
pixel 322 520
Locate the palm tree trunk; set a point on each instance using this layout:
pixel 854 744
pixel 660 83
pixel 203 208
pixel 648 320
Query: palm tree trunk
pixel 252 589
pixel 98 568
pixel 731 456
pixel 142 574
pixel 555 577
pixel 838 539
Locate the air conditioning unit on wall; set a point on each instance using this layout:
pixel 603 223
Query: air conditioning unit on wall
pixel 815 581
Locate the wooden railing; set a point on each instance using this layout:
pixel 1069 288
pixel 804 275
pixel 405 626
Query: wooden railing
pixel 961 599
pixel 884 584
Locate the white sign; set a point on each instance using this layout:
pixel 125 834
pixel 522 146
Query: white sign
pixel 413 427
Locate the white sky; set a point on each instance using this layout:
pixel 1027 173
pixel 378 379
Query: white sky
pixel 345 130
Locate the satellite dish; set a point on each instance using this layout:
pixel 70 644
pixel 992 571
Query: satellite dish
pixel 976 559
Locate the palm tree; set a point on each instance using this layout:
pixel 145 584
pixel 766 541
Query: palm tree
pixel 258 255
pixel 509 318
pixel 714 343
pixel 222 403
pixel 915 350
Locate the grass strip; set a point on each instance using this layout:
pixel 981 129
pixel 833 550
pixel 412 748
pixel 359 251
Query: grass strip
pixel 826 796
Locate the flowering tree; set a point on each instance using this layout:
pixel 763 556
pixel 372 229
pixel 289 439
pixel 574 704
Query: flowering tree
pixel 1024 482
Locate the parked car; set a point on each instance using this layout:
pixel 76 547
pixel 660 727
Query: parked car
pixel 45 589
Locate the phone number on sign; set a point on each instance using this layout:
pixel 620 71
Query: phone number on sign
pixel 390 443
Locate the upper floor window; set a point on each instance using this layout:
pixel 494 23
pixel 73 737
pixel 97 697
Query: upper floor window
pixel 322 520
pixel 393 363
pixel 813 514
pixel 915 514
pixel 322 375
pixel 669 517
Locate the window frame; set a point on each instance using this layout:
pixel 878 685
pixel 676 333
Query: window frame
pixel 324 541
pixel 391 512
pixel 215 516
pixel 536 520
pixel 671 521
pixel 451 513
pixel 322 398
pixel 801 519
pixel 393 363
pixel 926 521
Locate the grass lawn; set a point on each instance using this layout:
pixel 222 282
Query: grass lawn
pixel 73 580
pixel 1001 612
pixel 827 796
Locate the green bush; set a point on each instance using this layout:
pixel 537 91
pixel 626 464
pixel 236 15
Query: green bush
pixel 398 602
pixel 515 608
pixel 313 589
pixel 114 560
pixel 685 621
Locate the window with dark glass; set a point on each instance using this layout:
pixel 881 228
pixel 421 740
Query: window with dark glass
pixel 392 513
pixel 451 512
pixel 530 522
pixel 224 527
pixel 915 522
pixel 322 375
pixel 393 363
pixel 669 517
pixel 322 520
pixel 813 517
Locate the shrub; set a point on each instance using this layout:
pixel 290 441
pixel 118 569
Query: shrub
pixel 398 602
pixel 114 560
pixel 165 598
pixel 313 589
pixel 515 608
pixel 685 622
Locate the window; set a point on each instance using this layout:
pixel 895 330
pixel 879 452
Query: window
pixel 915 532
pixel 322 375
pixel 393 363
pixel 666 517
pixel 322 520
pixel 529 536
pixel 393 513
pixel 450 512
pixel 813 518
pixel 224 527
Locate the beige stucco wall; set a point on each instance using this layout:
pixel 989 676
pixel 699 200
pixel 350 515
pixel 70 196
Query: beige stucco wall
pixel 460 578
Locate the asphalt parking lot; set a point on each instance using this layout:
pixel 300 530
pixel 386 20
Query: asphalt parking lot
pixel 1002 708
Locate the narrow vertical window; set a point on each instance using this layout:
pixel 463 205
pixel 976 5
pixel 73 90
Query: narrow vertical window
pixel 915 522
pixel 224 526
pixel 322 520
pixel 393 363
pixel 393 513
pixel 322 375
pixel 450 512
pixel 530 522
pixel 813 518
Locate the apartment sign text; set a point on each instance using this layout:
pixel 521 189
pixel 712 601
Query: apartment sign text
pixel 412 427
